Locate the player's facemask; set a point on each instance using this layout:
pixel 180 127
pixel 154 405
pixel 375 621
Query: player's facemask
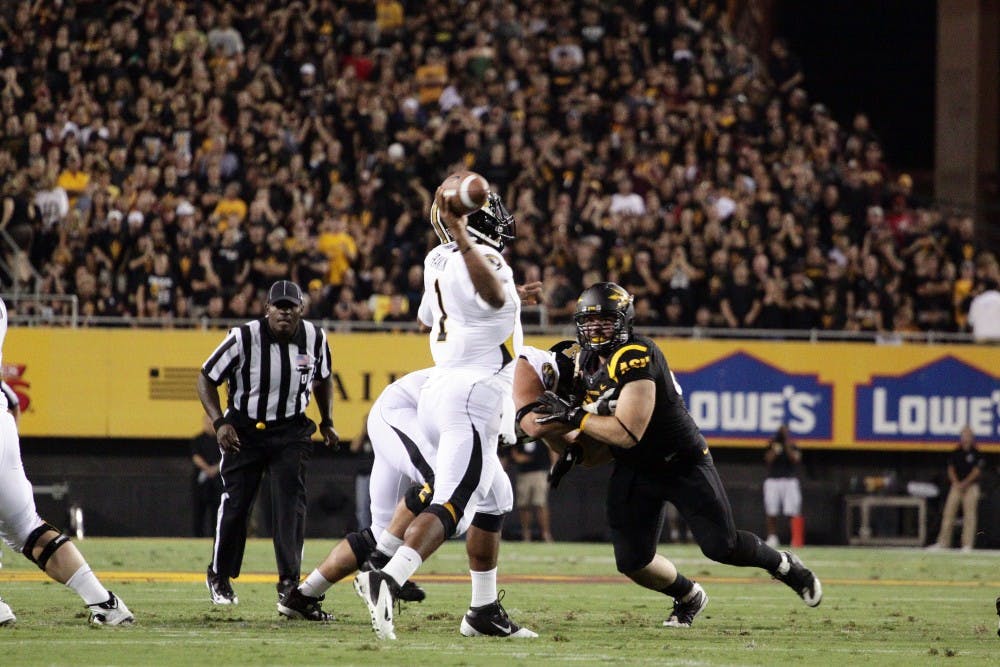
pixel 603 317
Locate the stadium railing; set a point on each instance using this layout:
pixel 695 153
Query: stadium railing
pixel 41 311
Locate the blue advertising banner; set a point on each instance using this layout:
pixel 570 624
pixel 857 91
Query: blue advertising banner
pixel 742 397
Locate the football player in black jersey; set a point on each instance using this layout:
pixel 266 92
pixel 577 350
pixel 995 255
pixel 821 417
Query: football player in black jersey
pixel 631 401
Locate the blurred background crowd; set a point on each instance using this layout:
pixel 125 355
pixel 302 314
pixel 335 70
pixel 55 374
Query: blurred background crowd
pixel 171 159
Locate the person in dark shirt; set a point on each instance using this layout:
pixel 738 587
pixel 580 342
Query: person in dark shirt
pixel 631 402
pixel 803 302
pixel 741 301
pixel 532 491
pixel 782 492
pixel 965 466
pixel 206 484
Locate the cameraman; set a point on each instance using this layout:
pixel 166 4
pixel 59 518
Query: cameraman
pixel 782 492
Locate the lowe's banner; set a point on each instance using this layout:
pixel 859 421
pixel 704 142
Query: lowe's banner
pixel 141 384
pixel 931 403
pixel 740 397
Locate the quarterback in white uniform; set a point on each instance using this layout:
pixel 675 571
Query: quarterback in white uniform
pixel 24 531
pixel 473 310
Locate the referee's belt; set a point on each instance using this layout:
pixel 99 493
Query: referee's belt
pixel 242 421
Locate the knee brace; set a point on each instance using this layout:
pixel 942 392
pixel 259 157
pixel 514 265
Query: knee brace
pixel 448 517
pixel 362 543
pixel 491 523
pixel 418 498
pixel 48 549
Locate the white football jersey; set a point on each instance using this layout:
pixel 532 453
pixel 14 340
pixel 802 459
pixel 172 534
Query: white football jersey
pixel 543 362
pixel 466 332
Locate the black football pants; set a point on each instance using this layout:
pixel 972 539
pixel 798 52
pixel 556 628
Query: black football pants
pixel 284 452
pixel 636 507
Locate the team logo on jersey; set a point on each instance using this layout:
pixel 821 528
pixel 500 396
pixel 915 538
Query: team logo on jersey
pixel 493 261
pixel 548 376
pixel 741 396
pixel 931 404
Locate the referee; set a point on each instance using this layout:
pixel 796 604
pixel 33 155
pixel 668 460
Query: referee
pixel 271 365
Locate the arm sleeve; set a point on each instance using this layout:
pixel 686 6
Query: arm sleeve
pixel 324 362
pixel 424 313
pixel 224 359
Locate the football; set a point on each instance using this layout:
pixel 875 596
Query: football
pixel 464 192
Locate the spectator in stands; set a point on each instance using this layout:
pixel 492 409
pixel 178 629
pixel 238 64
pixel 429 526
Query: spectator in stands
pixel 984 312
pixel 965 467
pixel 658 129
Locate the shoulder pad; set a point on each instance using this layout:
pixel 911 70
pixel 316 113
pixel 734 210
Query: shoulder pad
pixel 632 356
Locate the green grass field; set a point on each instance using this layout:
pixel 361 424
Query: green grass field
pixel 884 606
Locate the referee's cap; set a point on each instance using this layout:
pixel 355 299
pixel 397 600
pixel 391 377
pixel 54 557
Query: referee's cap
pixel 285 291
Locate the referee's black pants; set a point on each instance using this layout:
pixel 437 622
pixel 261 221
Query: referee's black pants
pixel 284 451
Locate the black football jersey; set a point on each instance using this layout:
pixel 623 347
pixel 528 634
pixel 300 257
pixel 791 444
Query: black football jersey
pixel 672 434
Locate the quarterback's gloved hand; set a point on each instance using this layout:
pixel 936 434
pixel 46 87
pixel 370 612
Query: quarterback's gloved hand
pixel 604 405
pixel 556 409
pixel 571 456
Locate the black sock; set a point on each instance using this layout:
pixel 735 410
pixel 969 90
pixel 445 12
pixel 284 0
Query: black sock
pixel 378 559
pixel 681 587
pixel 751 550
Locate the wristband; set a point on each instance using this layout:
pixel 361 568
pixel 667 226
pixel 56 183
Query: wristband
pixel 326 422
pixel 219 423
pixel 467 249
pixel 586 416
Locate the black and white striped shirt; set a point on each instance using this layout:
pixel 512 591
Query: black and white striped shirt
pixel 269 380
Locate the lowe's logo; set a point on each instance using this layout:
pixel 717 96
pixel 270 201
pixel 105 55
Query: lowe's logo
pixel 931 403
pixel 744 397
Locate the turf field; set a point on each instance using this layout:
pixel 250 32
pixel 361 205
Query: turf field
pixel 885 607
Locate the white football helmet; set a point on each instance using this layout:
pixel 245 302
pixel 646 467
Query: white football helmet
pixel 492 225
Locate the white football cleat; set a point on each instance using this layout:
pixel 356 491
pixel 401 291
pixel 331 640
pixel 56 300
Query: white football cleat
pixel 111 612
pixel 375 589
pixel 7 616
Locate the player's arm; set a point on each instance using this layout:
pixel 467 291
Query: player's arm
pixel 484 279
pixel 322 387
pixel 527 387
pixel 626 427
pixel 623 429
pixel 13 402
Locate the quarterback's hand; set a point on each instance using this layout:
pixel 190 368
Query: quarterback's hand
pixel 604 405
pixel 330 437
pixel 571 456
pixel 228 439
pixel 456 224
pixel 556 409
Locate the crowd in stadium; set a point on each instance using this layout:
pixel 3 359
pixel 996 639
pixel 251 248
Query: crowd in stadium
pixel 172 159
